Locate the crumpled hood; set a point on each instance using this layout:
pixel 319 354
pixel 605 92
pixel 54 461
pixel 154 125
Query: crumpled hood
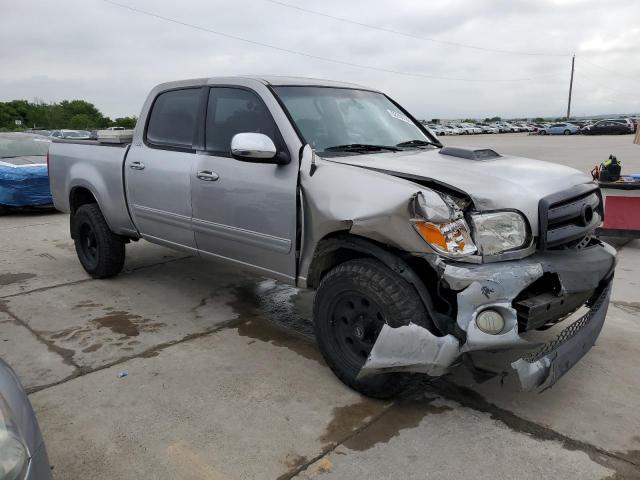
pixel 504 182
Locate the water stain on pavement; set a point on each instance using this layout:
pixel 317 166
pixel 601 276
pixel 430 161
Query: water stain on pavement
pixel 629 307
pixel 65 353
pixel 350 418
pixel 265 331
pixel 274 301
pixel 119 322
pixel 9 278
pixel 293 462
pixel 401 416
pixel 631 456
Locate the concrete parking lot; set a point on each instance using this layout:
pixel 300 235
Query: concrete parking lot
pixel 183 369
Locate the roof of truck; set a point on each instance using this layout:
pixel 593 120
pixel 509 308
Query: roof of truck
pixel 266 79
pixel 280 81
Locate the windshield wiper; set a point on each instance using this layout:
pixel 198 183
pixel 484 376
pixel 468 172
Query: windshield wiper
pixel 417 143
pixel 361 147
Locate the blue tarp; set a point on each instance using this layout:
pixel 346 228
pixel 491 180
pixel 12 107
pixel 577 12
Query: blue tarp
pixel 24 185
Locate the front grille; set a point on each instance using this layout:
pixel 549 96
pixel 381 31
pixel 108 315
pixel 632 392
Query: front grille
pixel 568 217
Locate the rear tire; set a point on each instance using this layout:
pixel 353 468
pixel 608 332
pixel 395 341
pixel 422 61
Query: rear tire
pixel 3 210
pixel 100 251
pixel 353 302
pixel 567 132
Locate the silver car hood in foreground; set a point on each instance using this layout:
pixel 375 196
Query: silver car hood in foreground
pixel 504 182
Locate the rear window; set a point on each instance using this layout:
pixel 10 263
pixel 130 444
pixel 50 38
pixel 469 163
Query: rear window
pixel 173 118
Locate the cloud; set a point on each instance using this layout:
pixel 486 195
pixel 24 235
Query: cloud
pixel 110 56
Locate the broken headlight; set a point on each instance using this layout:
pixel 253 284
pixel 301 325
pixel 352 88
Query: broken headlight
pixel 440 222
pixel 499 232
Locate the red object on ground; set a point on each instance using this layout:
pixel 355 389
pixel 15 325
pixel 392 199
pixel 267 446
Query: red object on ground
pixel 621 213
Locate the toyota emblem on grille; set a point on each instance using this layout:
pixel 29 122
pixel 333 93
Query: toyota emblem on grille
pixel 586 215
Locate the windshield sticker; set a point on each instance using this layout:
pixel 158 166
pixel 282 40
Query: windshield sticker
pixel 399 116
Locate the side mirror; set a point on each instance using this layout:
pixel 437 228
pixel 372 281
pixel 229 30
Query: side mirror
pixel 254 147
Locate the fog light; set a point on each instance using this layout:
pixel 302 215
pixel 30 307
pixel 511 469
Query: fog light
pixel 490 321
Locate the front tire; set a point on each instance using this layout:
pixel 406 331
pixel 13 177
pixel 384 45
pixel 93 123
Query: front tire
pixel 543 132
pixel 100 251
pixel 353 302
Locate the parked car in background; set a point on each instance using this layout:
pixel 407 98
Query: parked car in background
pixel 44 133
pixel 628 122
pixel 451 130
pixel 24 181
pixel 72 134
pixel 467 128
pixel 528 127
pixel 23 455
pixel 505 127
pixel 559 129
pixel 435 128
pixel 472 128
pixel 487 128
pixel 607 127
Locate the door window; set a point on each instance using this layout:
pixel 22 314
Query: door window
pixel 173 118
pixel 235 110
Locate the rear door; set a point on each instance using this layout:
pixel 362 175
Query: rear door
pixel 244 212
pixel 158 170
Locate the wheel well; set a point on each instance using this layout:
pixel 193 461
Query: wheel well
pixel 342 247
pixel 80 196
pixel 324 259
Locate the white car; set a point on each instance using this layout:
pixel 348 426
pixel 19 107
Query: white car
pixel 464 129
pixel 451 130
pixel 71 134
pixel 488 128
pixel 436 129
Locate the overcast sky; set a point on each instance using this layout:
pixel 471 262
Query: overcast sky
pixel 93 50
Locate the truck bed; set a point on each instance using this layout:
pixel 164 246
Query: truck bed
pixel 96 167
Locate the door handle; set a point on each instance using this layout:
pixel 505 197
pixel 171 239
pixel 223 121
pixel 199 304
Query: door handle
pixel 207 175
pixel 136 165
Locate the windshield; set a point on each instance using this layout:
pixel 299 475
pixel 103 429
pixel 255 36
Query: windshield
pixel 22 145
pixel 341 119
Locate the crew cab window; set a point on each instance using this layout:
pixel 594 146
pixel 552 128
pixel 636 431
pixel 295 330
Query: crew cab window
pixel 173 118
pixel 235 110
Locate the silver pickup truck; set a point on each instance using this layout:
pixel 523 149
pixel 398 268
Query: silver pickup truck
pixel 419 253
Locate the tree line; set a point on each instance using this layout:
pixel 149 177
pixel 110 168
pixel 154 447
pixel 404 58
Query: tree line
pixel 19 115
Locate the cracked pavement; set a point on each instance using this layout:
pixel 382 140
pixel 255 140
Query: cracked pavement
pixel 225 382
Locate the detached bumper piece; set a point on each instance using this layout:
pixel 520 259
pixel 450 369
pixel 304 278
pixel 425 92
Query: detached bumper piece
pixel 544 368
pixel 411 348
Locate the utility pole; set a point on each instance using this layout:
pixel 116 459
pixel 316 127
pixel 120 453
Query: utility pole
pixel 573 63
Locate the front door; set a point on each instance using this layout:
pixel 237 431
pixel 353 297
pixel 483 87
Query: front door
pixel 158 171
pixel 244 212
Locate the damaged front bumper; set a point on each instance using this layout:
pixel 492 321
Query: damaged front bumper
pixel 543 368
pixel 413 348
